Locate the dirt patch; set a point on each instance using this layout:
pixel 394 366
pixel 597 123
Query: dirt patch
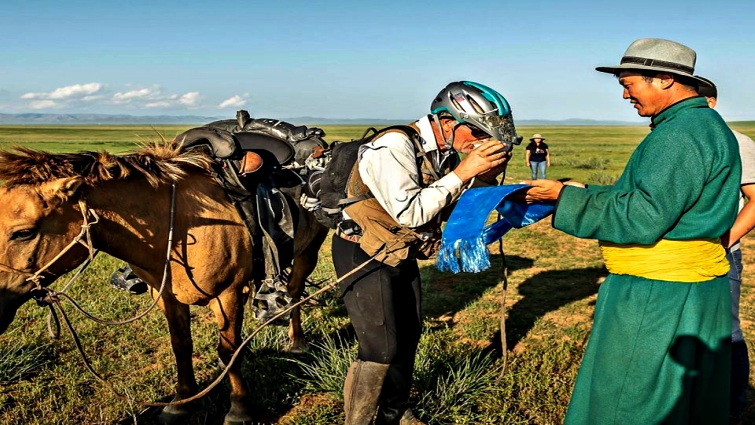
pixel 308 403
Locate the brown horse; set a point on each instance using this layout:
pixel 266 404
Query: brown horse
pixel 210 260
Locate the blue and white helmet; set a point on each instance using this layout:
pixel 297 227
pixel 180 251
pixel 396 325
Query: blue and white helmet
pixel 480 106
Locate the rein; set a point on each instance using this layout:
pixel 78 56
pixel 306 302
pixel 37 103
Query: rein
pixel 52 299
pixel 48 297
pixel 256 331
pixel 84 233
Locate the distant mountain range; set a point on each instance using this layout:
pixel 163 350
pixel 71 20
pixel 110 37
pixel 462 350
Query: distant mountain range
pixel 95 119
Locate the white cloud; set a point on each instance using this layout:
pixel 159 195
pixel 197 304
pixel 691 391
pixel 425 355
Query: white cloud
pixel 235 101
pixel 43 104
pixel 159 104
pixel 134 94
pixel 76 90
pixel 67 92
pixel 33 95
pixel 189 99
pixel 131 97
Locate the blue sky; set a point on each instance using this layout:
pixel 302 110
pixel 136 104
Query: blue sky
pixel 338 59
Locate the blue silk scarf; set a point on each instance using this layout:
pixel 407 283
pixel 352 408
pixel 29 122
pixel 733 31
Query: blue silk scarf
pixel 466 235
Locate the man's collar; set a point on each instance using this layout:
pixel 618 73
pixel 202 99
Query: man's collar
pixel 429 143
pixel 676 108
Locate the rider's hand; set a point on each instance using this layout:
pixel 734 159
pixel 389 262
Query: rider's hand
pixel 486 157
pixel 491 176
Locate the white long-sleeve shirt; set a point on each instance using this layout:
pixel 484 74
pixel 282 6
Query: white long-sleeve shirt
pixel 388 166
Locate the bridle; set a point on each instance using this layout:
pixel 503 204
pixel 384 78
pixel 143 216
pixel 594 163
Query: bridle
pixel 46 297
pixel 84 237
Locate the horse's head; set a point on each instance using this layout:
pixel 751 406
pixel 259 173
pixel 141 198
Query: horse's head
pixel 37 222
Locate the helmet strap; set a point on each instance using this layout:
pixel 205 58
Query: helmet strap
pixel 448 144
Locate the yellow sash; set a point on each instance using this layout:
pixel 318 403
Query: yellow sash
pixel 679 261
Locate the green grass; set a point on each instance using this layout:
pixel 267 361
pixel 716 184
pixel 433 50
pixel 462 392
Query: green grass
pixel 553 282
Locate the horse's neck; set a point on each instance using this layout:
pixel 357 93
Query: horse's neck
pixel 133 219
pixel 136 218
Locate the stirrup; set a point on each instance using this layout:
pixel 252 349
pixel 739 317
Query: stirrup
pixel 270 299
pixel 125 279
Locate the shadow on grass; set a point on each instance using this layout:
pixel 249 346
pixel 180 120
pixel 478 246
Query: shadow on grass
pixel 446 293
pixel 545 292
pixel 272 392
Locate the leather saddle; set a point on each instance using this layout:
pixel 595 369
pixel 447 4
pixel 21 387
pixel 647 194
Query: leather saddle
pixel 255 159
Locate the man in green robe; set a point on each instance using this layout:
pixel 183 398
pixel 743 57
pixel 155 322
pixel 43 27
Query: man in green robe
pixel 659 351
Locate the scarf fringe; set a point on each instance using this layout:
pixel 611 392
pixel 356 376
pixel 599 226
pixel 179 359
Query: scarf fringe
pixel 464 256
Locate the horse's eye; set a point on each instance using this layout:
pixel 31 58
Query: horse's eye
pixel 23 235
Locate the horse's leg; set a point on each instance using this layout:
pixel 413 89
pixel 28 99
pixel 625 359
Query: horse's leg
pixel 179 324
pixel 303 265
pixel 229 314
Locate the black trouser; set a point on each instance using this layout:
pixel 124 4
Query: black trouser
pixel 383 303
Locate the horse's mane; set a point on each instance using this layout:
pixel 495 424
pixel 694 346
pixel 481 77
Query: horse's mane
pixel 159 162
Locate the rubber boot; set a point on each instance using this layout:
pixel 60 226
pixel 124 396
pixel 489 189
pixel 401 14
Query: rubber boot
pixel 394 399
pixel 408 418
pixel 361 391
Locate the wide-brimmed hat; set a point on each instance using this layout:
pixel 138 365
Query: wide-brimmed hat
pixel 708 91
pixel 536 136
pixel 656 54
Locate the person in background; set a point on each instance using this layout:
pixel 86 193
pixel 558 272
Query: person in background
pixel 745 222
pixel 660 348
pixel 537 156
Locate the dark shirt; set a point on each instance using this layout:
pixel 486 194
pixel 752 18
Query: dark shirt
pixel 537 153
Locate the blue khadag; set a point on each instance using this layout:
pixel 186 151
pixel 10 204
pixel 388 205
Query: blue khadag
pixel 467 234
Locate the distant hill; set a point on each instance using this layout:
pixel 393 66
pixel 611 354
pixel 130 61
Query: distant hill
pixel 89 119
pixel 94 119
pixel 573 122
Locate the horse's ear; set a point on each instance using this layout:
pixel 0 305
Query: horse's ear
pixel 62 188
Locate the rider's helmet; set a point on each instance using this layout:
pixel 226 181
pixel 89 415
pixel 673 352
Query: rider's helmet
pixel 480 106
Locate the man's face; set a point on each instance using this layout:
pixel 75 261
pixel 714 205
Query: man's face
pixel 466 136
pixel 646 96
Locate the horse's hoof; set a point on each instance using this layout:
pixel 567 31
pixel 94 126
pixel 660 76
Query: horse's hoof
pixel 172 419
pixel 298 348
pixel 249 422
pixel 237 419
pixel 175 415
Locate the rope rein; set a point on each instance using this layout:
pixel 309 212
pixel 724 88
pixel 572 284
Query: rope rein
pixel 257 331
pixel 47 297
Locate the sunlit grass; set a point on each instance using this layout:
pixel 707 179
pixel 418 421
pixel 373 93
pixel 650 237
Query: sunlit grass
pixel 553 281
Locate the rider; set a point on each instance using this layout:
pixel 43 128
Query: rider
pixel 400 224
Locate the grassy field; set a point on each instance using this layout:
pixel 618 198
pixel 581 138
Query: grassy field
pixel 553 283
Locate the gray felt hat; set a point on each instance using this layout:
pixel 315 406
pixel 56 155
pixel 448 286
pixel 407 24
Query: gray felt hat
pixel 655 54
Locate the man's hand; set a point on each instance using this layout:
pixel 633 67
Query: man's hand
pixel 491 176
pixel 484 158
pixel 575 184
pixel 527 164
pixel 542 190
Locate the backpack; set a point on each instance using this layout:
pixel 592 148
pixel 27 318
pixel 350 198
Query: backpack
pixel 329 185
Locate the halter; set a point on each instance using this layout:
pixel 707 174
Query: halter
pixel 84 237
